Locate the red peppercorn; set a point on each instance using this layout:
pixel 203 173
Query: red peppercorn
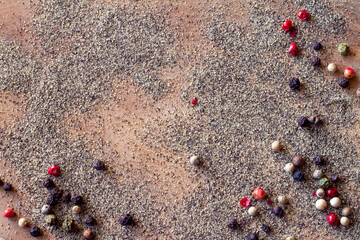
pixel 245 202
pixel 54 170
pixel 303 14
pixel 332 219
pixel 349 73
pixel 332 192
pixel 194 101
pixel 287 25
pixel 259 193
pixel 9 213
pixel 293 49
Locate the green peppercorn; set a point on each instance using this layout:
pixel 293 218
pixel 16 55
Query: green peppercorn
pixel 291 238
pixel 343 49
pixel 68 225
pixel 324 183
pixel 50 219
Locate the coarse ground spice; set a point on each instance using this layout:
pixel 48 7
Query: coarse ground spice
pixel 240 103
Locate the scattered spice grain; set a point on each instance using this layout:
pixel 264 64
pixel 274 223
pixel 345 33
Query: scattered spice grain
pixel 332 219
pixel 77 200
pixel 318 174
pixel 303 122
pixel 294 83
pixel 266 228
pixel 99 165
pixel 23 222
pixel 335 202
pixel 289 168
pixel 7 187
pixel 331 67
pixel 319 160
pixel 315 61
pixel 343 49
pixel 232 223
pixel 35 231
pixel 278 211
pixel 89 220
pixel 253 236
pixel 343 82
pixel 324 183
pixel 346 211
pixel 48 183
pixel 276 146
pixel 349 73
pixel 298 175
pixel 253 211
pixel 46 209
pixel 88 234
pixel 303 14
pixel 321 204
pixel 126 220
pixel 317 46
pixel 298 161
pixel 344 221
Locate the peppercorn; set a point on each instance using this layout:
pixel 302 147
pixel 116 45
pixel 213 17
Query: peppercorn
pixel 289 168
pixel 303 122
pixel 35 231
pixel 319 160
pixel 358 92
pixel 9 213
pixel 88 234
pixel 195 160
pixel 51 201
pixel 332 192
pixel 283 199
pixel 50 219
pixel 259 193
pixel 291 238
pixel 332 219
pixel 344 221
pixel 320 193
pixel 317 46
pixel 54 170
pixel 265 228
pixel 46 209
pixel 349 73
pixel 335 202
pixel 317 174
pixel 324 183
pixel 193 101
pixel 56 193
pixel 346 211
pixel 48 183
pixel 126 220
pixel 278 211
pixel 294 83
pixel 99 165
pixel 287 25
pixel 343 49
pixel 276 146
pixel 89 220
pixel 331 67
pixel 298 161
pixel 315 61
pixel 293 49
pixel 68 225
pixel 253 236
pixel 77 200
pixel 66 197
pixel 321 204
pixel 303 14
pixel 298 175
pixel 7 187
pixel 245 202
pixel 252 211
pixel 232 223
pixel 76 209
pixel 23 222
pixel 343 82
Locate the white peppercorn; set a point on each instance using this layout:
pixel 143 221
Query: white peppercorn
pixel 289 168
pixel 23 222
pixel 344 221
pixel 282 199
pixel 317 174
pixel 276 146
pixel 46 209
pixel 320 193
pixel 346 211
pixel 321 204
pixel 194 160
pixel 252 211
pixel 76 209
pixel 331 67
pixel 335 202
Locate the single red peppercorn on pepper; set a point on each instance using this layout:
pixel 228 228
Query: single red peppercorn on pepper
pixel 292 49
pixel 303 14
pixel 287 25
pixel 332 219
pixel 9 213
pixel 194 101
pixel 245 202
pixel 259 193
pixel 332 192
pixel 54 170
pixel 349 73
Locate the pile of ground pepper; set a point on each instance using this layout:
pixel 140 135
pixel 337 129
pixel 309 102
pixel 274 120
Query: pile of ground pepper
pixel 245 104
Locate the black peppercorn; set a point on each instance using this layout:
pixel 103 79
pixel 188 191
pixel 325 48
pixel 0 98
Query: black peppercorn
pixel 294 83
pixel 77 200
pixel 265 228
pixel 51 201
pixel 317 46
pixel 315 61
pixel 343 82
pixel 278 211
pixel 48 183
pixel 335 178
pixel 1 182
pixel 253 236
pixel 232 223
pixel 7 187
pixel 303 122
pixel 66 197
pixel 319 160
pixel 89 220
pixel 99 165
pixel 35 231
pixel 56 193
pixel 126 219
pixel 298 175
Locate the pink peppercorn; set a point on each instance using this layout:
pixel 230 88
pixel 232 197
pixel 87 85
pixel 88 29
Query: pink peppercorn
pixel 332 192
pixel 259 193
pixel 332 219
pixel 194 101
pixel 293 49
pixel 54 170
pixel 9 213
pixel 245 202
pixel 349 73
pixel 303 14
pixel 287 25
